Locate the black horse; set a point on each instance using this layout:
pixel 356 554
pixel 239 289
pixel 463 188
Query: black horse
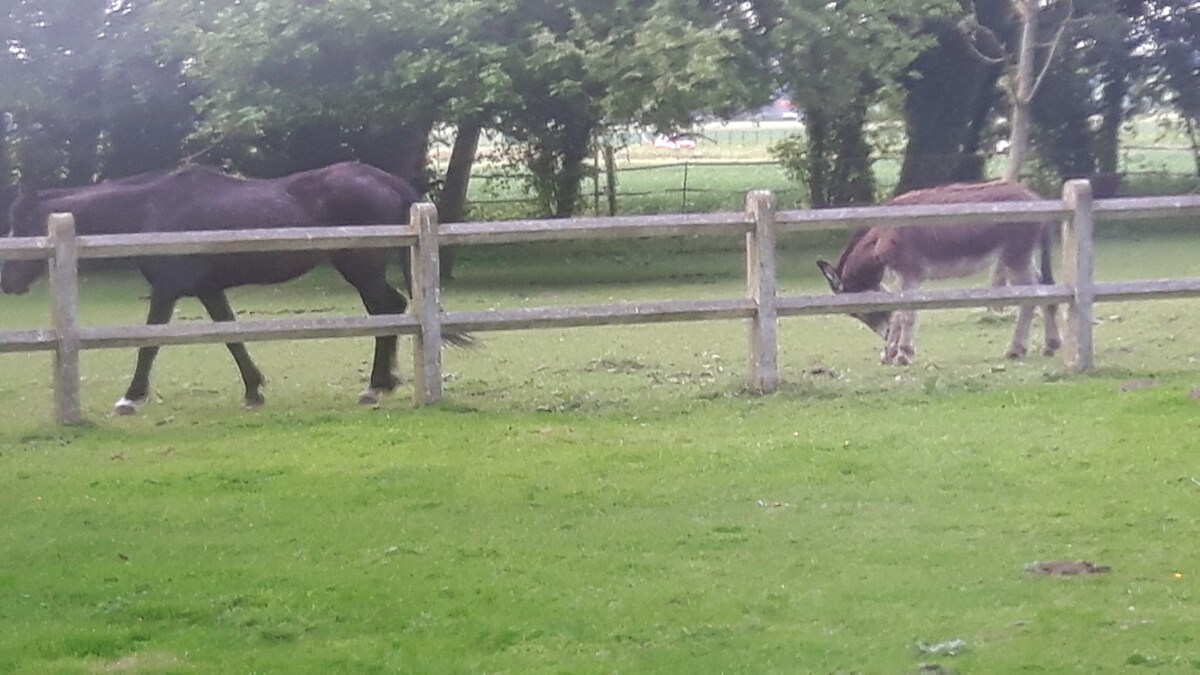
pixel 200 198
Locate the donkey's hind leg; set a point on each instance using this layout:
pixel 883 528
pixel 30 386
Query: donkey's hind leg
pixel 162 305
pixel 217 305
pixel 1020 340
pixel 1053 337
pixel 367 272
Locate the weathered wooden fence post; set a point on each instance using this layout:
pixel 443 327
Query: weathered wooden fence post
pixel 1078 272
pixel 761 287
pixel 64 315
pixel 427 305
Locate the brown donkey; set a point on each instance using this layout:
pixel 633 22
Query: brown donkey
pixel 916 253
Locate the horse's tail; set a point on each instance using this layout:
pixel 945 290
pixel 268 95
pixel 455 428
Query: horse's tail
pixel 411 195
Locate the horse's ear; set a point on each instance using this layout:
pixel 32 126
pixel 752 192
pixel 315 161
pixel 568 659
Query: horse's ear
pixel 831 275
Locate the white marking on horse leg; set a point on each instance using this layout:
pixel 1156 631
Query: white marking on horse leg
pixel 127 406
pixel 371 396
pixel 254 402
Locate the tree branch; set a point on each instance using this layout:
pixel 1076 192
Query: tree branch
pixel 1058 35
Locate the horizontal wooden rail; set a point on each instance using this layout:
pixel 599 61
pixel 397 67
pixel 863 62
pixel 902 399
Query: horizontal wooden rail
pixel 1157 289
pixel 247 331
pixel 246 241
pixel 510 231
pixel 1143 208
pixel 597 315
pixel 27 340
pixel 923 214
pixel 761 304
pixel 25 248
pixel 855 303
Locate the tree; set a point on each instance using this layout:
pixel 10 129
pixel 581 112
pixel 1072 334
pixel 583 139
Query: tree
pixel 950 93
pixel 580 67
pixel 89 92
pixel 1167 35
pixel 837 60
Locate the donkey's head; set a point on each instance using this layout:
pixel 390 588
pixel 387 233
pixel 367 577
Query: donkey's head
pixel 857 283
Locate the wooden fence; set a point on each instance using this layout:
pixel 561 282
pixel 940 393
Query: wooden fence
pixel 761 305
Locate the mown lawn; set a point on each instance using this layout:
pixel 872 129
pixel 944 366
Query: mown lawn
pixel 602 500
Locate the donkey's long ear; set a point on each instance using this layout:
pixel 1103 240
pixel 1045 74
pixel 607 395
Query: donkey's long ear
pixel 831 275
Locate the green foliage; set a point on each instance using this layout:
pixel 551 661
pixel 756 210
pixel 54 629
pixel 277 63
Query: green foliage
pixel 89 91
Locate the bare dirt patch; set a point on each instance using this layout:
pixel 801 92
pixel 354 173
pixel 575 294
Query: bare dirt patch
pixel 145 662
pixel 1138 385
pixel 1066 568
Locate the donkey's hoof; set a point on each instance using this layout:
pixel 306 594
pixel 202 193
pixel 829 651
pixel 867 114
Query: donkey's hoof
pixel 1052 347
pixel 371 396
pixel 126 407
pixel 254 402
pixel 1015 352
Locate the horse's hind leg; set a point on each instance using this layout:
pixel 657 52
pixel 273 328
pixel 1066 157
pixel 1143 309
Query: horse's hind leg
pixel 217 305
pixel 161 307
pixel 370 280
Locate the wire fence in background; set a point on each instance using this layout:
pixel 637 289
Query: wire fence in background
pixel 689 182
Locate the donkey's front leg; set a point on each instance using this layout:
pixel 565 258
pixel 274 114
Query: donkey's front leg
pixel 907 352
pixel 898 345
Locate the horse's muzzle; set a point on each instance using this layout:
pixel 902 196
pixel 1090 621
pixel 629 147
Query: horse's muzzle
pixel 13 288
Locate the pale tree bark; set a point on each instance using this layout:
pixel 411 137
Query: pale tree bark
pixel 1022 89
pixel 1022 82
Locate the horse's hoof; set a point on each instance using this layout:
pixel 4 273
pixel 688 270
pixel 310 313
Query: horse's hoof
pixel 903 359
pixel 1015 353
pixel 253 402
pixel 371 396
pixel 126 407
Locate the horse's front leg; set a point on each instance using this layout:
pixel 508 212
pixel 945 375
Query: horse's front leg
pixel 217 305
pixel 162 305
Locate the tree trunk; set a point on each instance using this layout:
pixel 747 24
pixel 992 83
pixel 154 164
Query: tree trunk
pixel 853 178
pixel 83 154
pixel 569 180
pixel 1022 90
pixel 816 128
pixel 972 164
pixel 452 202
pixel 941 108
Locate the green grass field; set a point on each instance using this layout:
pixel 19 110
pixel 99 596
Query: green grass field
pixel 610 499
